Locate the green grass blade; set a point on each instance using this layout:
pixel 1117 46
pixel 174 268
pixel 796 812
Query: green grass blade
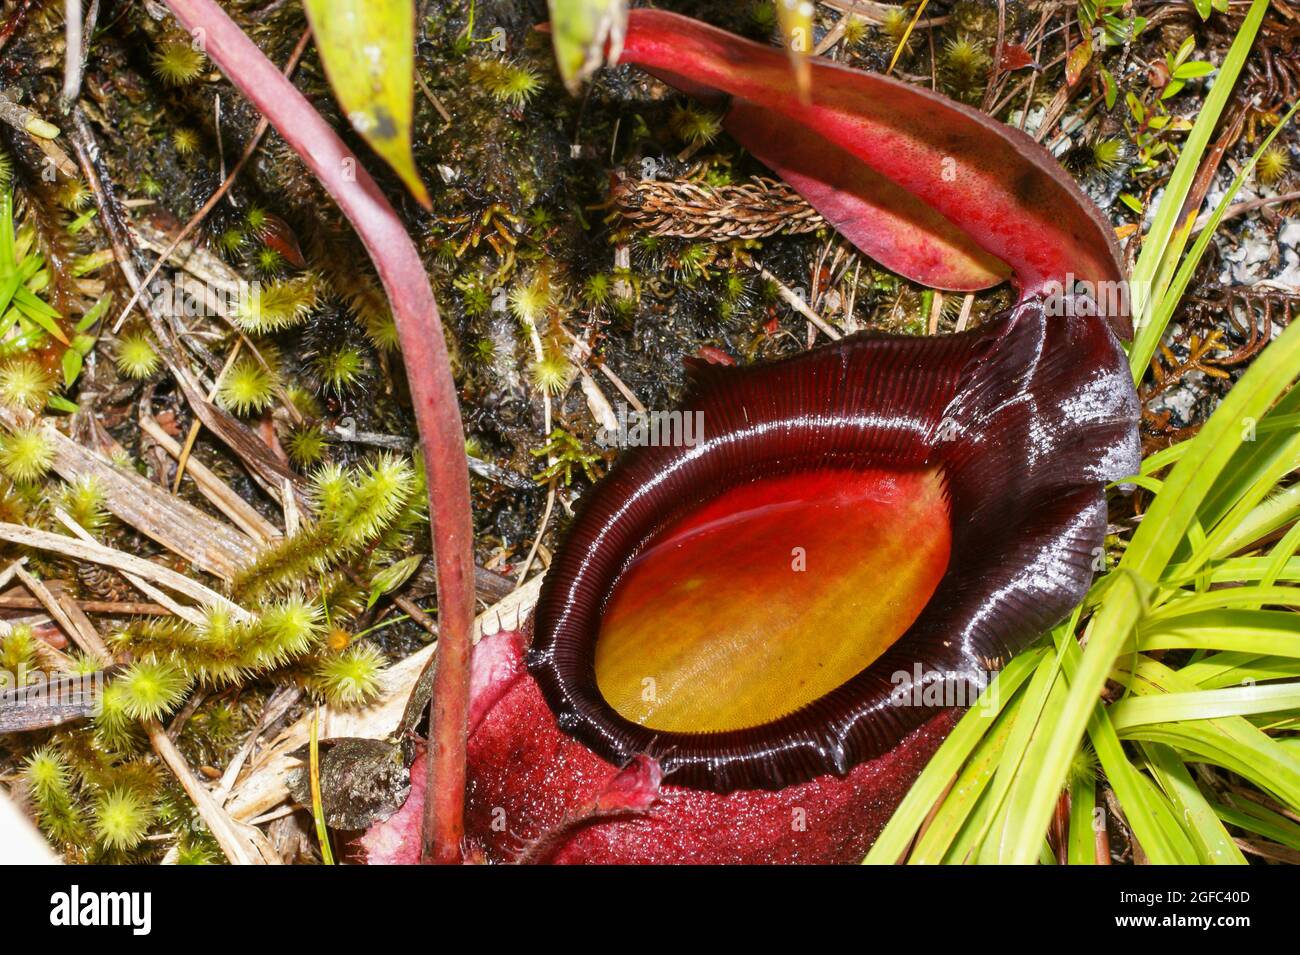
pixel 1262 822
pixel 1183 604
pixel 1212 842
pixel 967 791
pixel 1259 632
pixel 1230 741
pixel 1081 846
pixel 949 758
pixel 1159 309
pixel 1204 704
pixel 1160 246
pixel 1150 818
pixel 1233 669
pixel 1043 702
pixel 1272 515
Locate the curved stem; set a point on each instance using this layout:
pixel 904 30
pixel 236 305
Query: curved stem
pixel 433 392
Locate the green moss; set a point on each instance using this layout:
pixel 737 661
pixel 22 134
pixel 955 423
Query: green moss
pixel 248 386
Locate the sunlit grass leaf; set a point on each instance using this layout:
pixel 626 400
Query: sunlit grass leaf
pixel 1149 815
pixel 1043 701
pixel 962 804
pixel 1261 821
pixel 1163 244
pixel 1205 704
pixel 948 760
pixel 1081 846
pixel 1168 291
pixel 368 49
pixel 1212 843
pixel 1228 741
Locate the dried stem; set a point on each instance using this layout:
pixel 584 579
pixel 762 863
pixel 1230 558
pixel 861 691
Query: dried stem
pixel 433 392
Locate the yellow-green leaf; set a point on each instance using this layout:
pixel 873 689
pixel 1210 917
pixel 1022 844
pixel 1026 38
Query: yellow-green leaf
pixel 581 32
pixel 795 20
pixel 368 48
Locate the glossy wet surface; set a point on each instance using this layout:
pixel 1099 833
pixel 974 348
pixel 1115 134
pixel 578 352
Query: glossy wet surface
pixel 770 596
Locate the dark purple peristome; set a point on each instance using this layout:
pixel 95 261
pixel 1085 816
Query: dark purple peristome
pixel 1026 418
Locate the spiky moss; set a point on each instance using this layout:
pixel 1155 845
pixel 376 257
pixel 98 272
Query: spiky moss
pixel 529 301
pixel 16 504
pixel 84 501
pixel 377 319
pixel 24 383
pixel 224 650
pixel 1104 155
pixel 338 358
pixel 74 195
pixel 248 386
pixel 964 66
pixel 185 142
pixel 551 373
pixel 692 261
pixel 267 308
pixel 114 727
pixel 47 775
pixel 306 445
pixel 49 780
pixel 355 287
pixel 522 165
pixel 257 222
pixel 136 356
pixel 220 720
pixel 122 818
pixel 97 803
pixel 83 664
pixel 894 24
pixel 694 126
pixel 484 351
pixel 230 242
pixel 268 262
pixel 597 289
pixel 178 63
pixel 341 369
pixel 26 453
pixel 351 678
pixel 856 29
pixel 1108 153
pixel 355 509
pixel 476 297
pixel 17 656
pixel 151 688
pixel 1273 165
pixel 507 82
pixel 303 401
pixel 192 852
pixel 1083 768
